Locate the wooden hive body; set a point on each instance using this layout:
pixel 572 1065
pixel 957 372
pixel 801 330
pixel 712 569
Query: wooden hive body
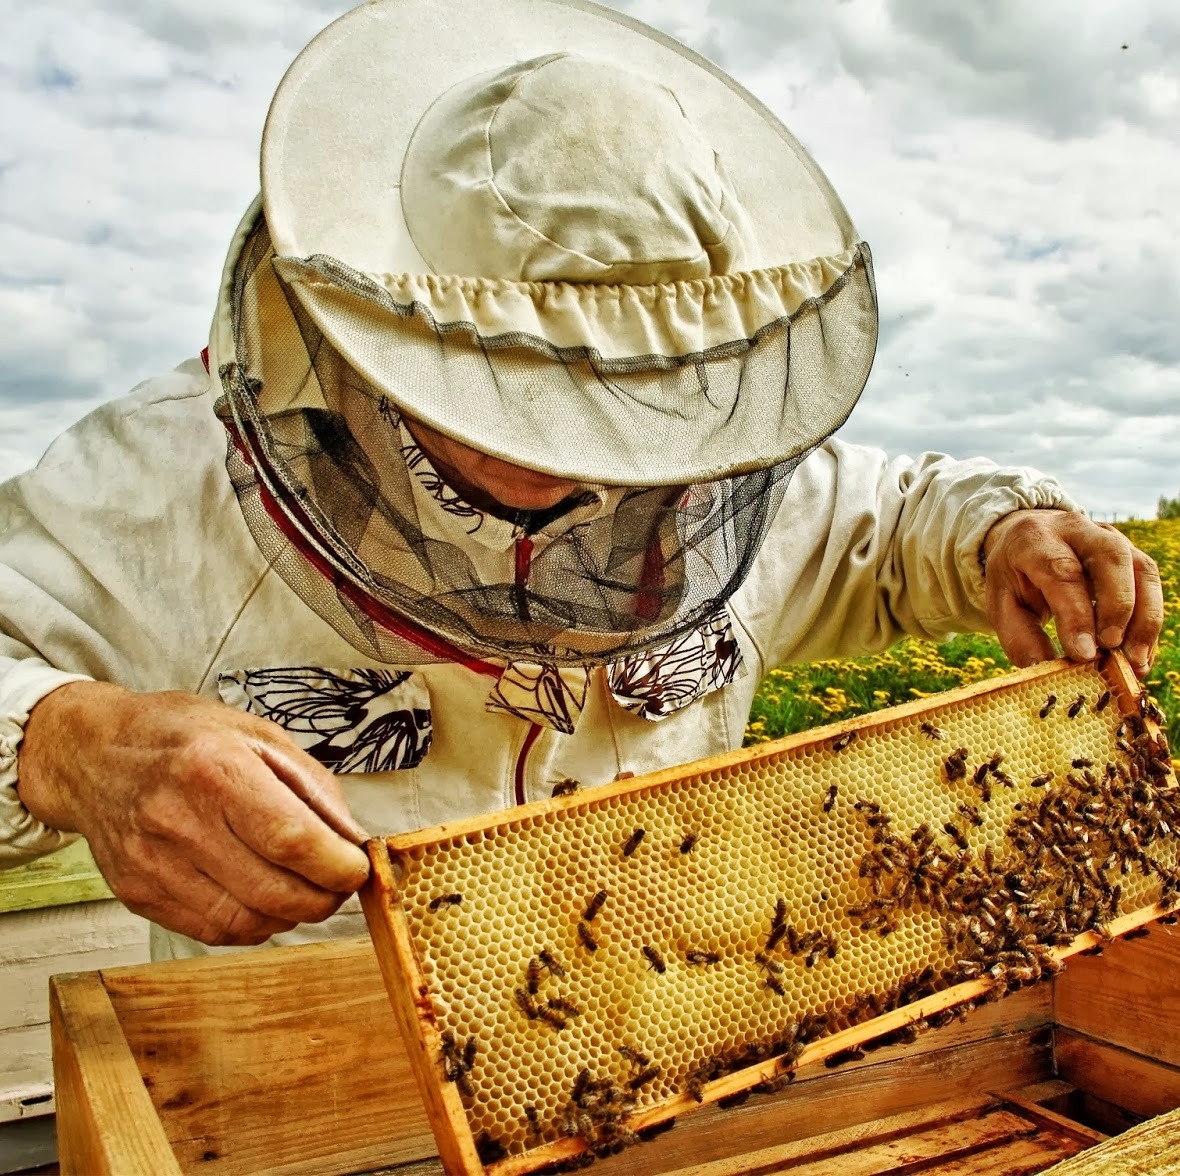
pixel 292 1060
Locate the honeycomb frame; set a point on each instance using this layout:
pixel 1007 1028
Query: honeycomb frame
pixel 590 1020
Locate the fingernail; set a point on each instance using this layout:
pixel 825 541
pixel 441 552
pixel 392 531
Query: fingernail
pixel 1139 656
pixel 1084 647
pixel 1111 638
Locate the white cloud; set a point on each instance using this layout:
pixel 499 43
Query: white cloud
pixel 1014 167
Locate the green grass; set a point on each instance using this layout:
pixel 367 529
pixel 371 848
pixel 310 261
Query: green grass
pixel 795 698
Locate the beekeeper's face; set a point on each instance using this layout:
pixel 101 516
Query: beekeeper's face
pixel 477 475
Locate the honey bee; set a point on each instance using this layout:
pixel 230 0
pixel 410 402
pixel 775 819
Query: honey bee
pixel 844 1055
pixel 931 731
pixel 972 814
pixel 1103 701
pixel 775 984
pixel 533 1120
pixel 776 936
pixel 489 1149
pixel 533 976
pixel 587 939
pixel 956 835
pixel 687 844
pixel 655 960
pixel 552 1016
pixel 1041 780
pixel 595 906
pixel 1082 762
pixel 702 957
pixel 830 799
pixel 457 1062
pixel 1150 710
pixel 643 1077
pixel 764 961
pixel 634 1056
pixel 1075 707
pixel 560 1005
pixel 780 913
pixel 565 787
pixel 633 842
pixel 554 968
pixel 442 900
pixel 1047 709
pixel 527 1005
pixel 981 773
pixel 842 741
pixel 955 765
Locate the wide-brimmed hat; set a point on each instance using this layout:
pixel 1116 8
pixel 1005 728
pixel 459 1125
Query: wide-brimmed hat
pixel 564 239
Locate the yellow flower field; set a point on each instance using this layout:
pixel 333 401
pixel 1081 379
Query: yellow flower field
pixel 793 698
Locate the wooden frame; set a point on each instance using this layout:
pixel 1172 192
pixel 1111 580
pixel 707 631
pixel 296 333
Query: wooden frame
pixel 409 990
pixel 293 1061
pixel 290 1061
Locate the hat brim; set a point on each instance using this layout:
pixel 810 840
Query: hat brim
pixel 332 154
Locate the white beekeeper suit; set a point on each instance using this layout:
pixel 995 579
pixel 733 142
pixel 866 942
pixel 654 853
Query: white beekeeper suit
pixel 130 556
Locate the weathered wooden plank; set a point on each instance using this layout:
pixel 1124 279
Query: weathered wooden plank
pixel 66 877
pixel 1117 1075
pixel 824 1100
pixel 1022 1157
pixel 927 1132
pixel 1128 996
pixel 968 1136
pixel 283 1061
pixel 1051 1119
pixel 105 1120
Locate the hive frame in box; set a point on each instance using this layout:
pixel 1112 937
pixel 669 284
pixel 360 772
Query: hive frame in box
pixel 410 992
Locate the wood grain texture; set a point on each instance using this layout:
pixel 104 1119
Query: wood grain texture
pixel 1051 1119
pixel 68 876
pixel 969 1119
pixel 969 1136
pixel 413 1011
pixel 282 1061
pixel 825 1100
pixel 1117 1075
pixel 1128 996
pixel 105 1120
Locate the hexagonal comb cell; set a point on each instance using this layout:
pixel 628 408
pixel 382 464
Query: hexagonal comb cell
pixel 612 953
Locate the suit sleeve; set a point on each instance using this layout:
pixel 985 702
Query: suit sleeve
pixel 866 550
pixel 114 566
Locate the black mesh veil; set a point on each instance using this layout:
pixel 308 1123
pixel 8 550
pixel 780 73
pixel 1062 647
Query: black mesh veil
pixel 334 496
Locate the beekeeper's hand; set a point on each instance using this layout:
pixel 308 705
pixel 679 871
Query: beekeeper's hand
pixel 206 820
pixel 1102 591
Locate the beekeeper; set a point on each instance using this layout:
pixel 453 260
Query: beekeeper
pixel 510 460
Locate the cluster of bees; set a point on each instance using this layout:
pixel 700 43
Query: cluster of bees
pixel 1002 914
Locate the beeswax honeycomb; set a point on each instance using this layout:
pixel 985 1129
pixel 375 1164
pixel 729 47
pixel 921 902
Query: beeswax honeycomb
pixel 688 958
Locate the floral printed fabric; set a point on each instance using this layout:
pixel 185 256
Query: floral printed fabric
pixel 653 685
pixel 664 680
pixel 548 695
pixel 361 720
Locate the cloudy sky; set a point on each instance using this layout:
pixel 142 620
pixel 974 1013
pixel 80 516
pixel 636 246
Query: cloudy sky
pixel 1015 166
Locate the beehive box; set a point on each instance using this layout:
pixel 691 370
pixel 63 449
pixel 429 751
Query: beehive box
pixel 290 1061
pixel 573 974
